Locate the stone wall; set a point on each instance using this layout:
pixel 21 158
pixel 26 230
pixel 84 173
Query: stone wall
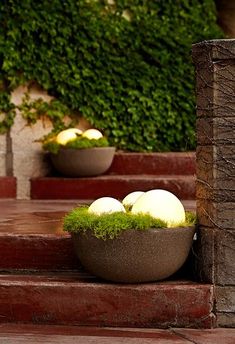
pixel 21 155
pixel 215 156
pixel 28 159
pixel 3 148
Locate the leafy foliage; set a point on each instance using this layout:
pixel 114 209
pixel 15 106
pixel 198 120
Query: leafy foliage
pixel 125 66
pixel 7 112
pixel 54 110
pixel 109 226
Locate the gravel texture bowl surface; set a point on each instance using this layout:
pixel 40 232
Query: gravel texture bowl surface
pixel 135 256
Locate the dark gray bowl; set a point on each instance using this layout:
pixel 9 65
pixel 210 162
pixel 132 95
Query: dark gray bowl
pixel 135 256
pixel 83 162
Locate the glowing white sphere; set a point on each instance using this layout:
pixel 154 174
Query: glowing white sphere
pixel 131 198
pixel 106 205
pixel 161 204
pixel 68 135
pixel 92 134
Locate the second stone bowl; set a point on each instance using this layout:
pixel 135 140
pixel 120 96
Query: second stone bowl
pixel 83 162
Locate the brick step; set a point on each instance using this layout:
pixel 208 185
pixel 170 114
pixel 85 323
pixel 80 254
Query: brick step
pixel 110 185
pixel 80 299
pixel 32 237
pixel 182 163
pixel 37 252
pixel 7 187
pixel 49 334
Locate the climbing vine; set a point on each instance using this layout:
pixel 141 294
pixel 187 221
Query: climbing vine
pixel 125 65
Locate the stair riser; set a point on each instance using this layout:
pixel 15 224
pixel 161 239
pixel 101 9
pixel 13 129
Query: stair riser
pixel 37 253
pixel 7 187
pixel 52 188
pixel 45 253
pixel 148 306
pixel 153 163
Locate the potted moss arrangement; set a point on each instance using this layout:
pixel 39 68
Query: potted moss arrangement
pixel 79 154
pixel 145 238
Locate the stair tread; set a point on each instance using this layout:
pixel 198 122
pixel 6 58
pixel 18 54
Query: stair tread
pixel 33 334
pixel 80 299
pixel 120 176
pixel 82 277
pixel 42 217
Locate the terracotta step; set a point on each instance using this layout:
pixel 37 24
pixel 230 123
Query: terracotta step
pixel 110 185
pixel 32 238
pixel 36 252
pixel 78 299
pixel 31 235
pixel 182 163
pixel 33 334
pixel 7 187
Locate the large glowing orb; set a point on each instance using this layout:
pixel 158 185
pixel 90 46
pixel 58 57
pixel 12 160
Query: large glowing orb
pixel 92 134
pixel 106 205
pixel 131 198
pixel 161 204
pixel 68 135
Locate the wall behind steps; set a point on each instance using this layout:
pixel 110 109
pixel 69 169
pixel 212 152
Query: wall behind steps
pixel 3 155
pixel 21 155
pixel 28 159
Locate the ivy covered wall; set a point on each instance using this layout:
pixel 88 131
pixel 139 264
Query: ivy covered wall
pixel 124 65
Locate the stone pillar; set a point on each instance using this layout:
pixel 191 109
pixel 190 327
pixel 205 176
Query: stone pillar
pixel 215 89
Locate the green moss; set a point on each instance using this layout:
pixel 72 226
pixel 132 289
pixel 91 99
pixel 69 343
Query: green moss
pixel 190 218
pixel 109 226
pixel 80 142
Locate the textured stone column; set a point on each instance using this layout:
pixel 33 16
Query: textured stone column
pixel 215 88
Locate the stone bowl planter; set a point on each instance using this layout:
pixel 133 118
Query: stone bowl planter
pixel 135 256
pixel 83 162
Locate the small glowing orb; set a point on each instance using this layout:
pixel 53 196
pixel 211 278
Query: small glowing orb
pixel 161 204
pixel 68 135
pixel 106 205
pixel 92 134
pixel 131 198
